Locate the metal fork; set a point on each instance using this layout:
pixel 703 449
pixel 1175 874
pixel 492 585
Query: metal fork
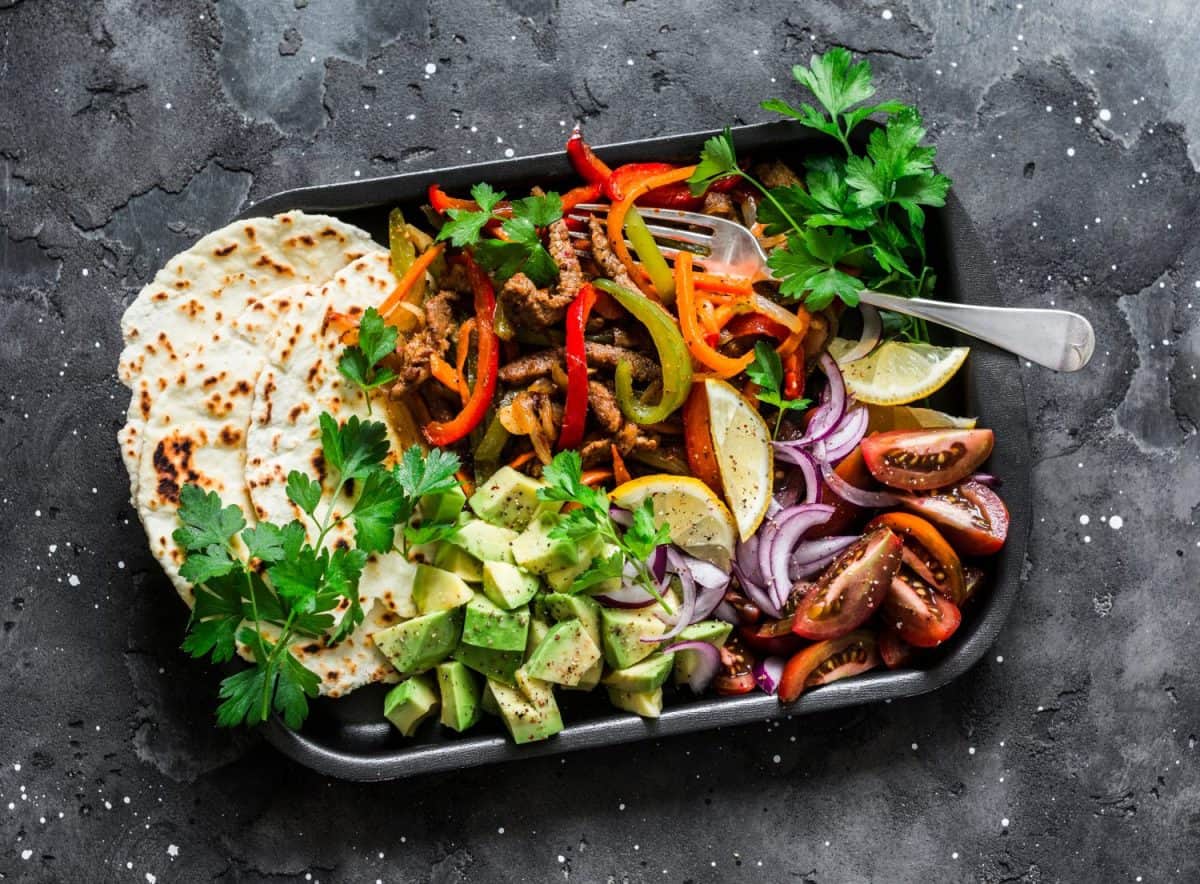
pixel 1057 339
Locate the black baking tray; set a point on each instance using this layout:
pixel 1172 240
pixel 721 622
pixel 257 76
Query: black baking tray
pixel 348 738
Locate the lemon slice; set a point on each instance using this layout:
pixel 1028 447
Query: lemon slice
pixel 896 372
pixel 699 522
pixel 911 417
pixel 745 459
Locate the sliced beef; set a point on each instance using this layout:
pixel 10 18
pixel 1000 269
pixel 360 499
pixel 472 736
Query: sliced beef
pixel 774 173
pixel 608 356
pixel 528 306
pixel 415 352
pixel 610 265
pixel 603 404
pixel 528 368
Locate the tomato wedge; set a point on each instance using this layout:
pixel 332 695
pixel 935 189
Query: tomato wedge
pixel 828 661
pixel 972 580
pixel 893 650
pixel 922 616
pixel 737 670
pixel 852 468
pixel 921 460
pixel 772 638
pixel 927 553
pixel 970 515
pixel 850 589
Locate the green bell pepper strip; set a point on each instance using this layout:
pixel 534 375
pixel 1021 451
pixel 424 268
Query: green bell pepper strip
pixel 402 249
pixel 487 452
pixel 673 356
pixel 651 257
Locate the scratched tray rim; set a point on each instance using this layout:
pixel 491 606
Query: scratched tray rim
pixel 994 392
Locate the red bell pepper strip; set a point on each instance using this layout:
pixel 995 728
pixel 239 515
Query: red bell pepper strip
pixel 575 411
pixel 442 433
pixel 441 202
pixel 756 324
pixel 585 193
pixel 590 167
pixel 697 437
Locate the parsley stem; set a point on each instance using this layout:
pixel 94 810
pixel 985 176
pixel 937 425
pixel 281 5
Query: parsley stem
pixel 648 583
pixel 325 525
pixel 778 421
pixel 774 202
pixel 285 635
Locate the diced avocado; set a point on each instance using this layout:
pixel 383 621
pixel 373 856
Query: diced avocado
pixel 715 632
pixel 507 585
pixel 490 626
pixel 487 700
pixel 538 629
pixel 561 579
pixel 621 634
pixel 458 562
pixel 562 607
pixel 410 703
pixel 647 675
pixel 460 695
pixel 497 665
pixel 565 655
pixel 509 498
pixel 589 679
pixel 527 720
pixel 417 644
pixel 712 631
pixel 443 507
pixel 647 704
pixel 438 590
pixel 486 542
pixel 535 550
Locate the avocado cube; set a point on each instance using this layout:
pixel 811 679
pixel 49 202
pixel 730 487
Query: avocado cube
pixel 647 675
pixel 488 543
pixel 564 655
pixel 562 607
pixel 417 644
pixel 438 590
pixel 539 628
pixel 621 634
pixel 410 703
pixel 500 666
pixel 715 632
pixel 507 585
pixel 561 579
pixel 647 704
pixel 490 626
pixel 527 720
pixel 535 550
pixel 458 562
pixel 443 507
pixel 460 695
pixel 487 700
pixel 509 498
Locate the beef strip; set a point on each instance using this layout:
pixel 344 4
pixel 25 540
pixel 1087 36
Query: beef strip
pixel 603 404
pixel 528 306
pixel 418 349
pixel 775 174
pixel 719 204
pixel 536 365
pixel 521 371
pixel 610 265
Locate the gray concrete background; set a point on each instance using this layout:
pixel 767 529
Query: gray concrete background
pixel 129 127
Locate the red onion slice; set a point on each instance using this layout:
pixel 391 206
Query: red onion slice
pixel 847 434
pixel 747 559
pixel 622 517
pixel 766 542
pixel 813 550
pixel 756 593
pixel 986 479
pixel 706 573
pixel 727 613
pixel 682 618
pixel 768 672
pixel 872 329
pixel 850 494
pixel 707 667
pixel 707 600
pixel 632 596
pixel 793 524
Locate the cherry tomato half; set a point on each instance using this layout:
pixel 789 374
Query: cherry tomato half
pixel 971 516
pixel 852 468
pixel 921 460
pixel 927 553
pixel 828 661
pixel 921 615
pixel 737 670
pixel 851 588
pixel 772 638
pixel 895 652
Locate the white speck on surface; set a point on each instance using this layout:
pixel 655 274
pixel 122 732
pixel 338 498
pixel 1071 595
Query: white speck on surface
pixel 431 68
pixel 776 759
pixel 17 766
pixel 999 658
pixel 629 62
pixel 561 858
pixel 886 15
pixel 970 750
pixel 1004 822
pixel 508 151
pixel 1105 115
pixel 499 831
pixel 84 271
pixel 172 850
pixel 1084 519
pixel 26 854
pixel 1049 108
pixel 914 747
pixel 1116 523
pixel 1087 538
pixel 1070 151
pixel 73 579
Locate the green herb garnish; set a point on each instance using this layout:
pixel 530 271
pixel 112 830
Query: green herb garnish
pixel 522 250
pixel 857 222
pixel 767 373
pixel 592 519
pixel 376 339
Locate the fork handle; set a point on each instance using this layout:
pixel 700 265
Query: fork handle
pixel 1057 339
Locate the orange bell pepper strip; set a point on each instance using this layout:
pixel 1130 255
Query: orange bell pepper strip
pixel 685 295
pixel 616 217
pixel 415 271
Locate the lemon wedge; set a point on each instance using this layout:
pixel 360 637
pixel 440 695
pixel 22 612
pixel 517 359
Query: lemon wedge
pixel 745 458
pixel 912 417
pixel 896 372
pixel 698 521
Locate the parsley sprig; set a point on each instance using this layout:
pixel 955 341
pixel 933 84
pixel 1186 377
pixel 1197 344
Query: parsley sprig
pixel 521 249
pixel 266 586
pixel 592 519
pixel 857 221
pixel 766 371
pixel 360 363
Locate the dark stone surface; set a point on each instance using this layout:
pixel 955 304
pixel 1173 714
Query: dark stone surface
pixel 128 127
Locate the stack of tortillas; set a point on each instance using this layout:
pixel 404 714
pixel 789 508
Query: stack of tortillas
pixel 231 361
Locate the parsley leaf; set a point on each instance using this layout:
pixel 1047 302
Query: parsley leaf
pixel 767 373
pixel 419 474
pixel 521 251
pixel 486 196
pixel 205 523
pixel 807 267
pixel 601 570
pixel 379 504
pixel 354 448
pixel 360 363
pixel 642 536
pixel 718 160
pixel 304 492
pixel 215 618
